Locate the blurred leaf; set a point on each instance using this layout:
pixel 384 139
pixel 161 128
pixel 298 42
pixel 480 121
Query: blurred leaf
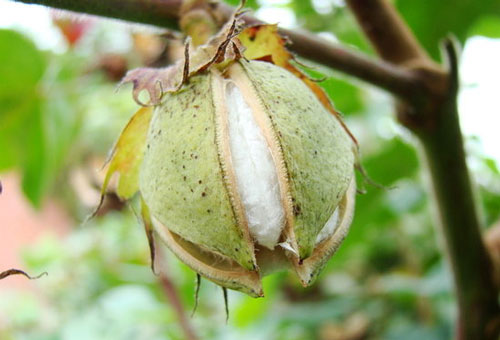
pixel 339 21
pixel 346 97
pixel 487 25
pixel 35 168
pixel 401 328
pixel 492 165
pixel 396 160
pixel 21 65
pixel 21 68
pixel 36 129
pixel 491 205
pixel 121 313
pixel 250 310
pixel 431 21
pixel 345 27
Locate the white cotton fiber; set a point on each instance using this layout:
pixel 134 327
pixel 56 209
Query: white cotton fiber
pixel 329 227
pixel 255 171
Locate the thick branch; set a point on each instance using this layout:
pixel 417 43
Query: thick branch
pixel 435 121
pixel 164 13
pixel 398 81
pixel 472 268
pixel 390 36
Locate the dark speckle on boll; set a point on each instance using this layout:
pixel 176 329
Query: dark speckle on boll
pixel 296 209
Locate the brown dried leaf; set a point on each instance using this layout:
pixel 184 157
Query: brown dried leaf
pixel 154 80
pixel 222 48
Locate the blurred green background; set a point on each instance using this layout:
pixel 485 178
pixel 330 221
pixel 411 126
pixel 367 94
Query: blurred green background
pixel 60 114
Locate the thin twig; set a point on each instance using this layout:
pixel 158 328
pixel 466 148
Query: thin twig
pixel 172 295
pixel 14 271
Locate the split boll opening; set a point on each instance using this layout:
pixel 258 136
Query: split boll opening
pixel 256 174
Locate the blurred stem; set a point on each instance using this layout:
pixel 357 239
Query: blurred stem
pixel 165 13
pixel 389 35
pixel 197 21
pixel 433 117
pixel 176 303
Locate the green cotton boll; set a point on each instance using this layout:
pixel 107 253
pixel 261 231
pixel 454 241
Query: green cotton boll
pixel 245 172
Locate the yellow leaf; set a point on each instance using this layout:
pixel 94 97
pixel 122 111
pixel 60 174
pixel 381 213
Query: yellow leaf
pixel 127 155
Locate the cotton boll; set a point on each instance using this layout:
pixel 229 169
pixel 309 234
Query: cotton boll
pixel 255 171
pixel 242 169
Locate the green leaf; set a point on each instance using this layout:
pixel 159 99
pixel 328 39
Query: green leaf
pixel 34 160
pixel 340 22
pixel 488 26
pixel 431 21
pixel 396 160
pixel 21 65
pixel 22 133
pixel 21 68
pixel 347 98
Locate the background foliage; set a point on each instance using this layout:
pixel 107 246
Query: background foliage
pixel 60 114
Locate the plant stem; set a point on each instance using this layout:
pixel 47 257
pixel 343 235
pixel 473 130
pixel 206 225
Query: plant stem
pixel 176 303
pixel 396 80
pixel 162 13
pixel 434 119
pixel 390 36
pixel 165 13
pixel 476 291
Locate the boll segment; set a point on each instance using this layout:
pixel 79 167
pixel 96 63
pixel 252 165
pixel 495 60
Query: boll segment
pixel 245 172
